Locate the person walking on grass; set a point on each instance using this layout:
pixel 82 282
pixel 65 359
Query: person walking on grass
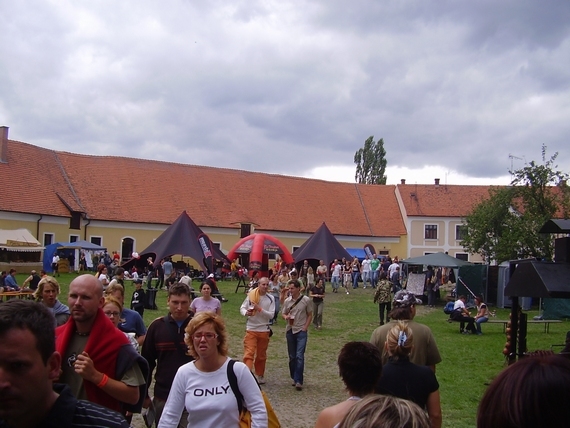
pixel 401 378
pixel 374 270
pixel 259 308
pixel 366 270
pixel 298 313
pixel 318 294
pixel 29 394
pixel 166 350
pixel 383 296
pixel 360 367
pixel 336 271
pixel 425 351
pixel 98 360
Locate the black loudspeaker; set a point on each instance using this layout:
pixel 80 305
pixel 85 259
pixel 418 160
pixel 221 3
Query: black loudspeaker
pixel 562 250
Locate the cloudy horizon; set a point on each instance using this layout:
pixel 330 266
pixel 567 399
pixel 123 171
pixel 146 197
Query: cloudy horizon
pixel 460 91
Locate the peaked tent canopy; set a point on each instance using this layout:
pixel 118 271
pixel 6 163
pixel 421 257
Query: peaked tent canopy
pixel 185 238
pixel 322 245
pixel 437 259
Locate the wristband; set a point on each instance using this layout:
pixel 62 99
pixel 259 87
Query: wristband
pixel 104 381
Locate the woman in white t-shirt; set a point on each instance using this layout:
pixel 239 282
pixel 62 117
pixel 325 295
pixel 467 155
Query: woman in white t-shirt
pixel 102 276
pixel 206 303
pixel 202 386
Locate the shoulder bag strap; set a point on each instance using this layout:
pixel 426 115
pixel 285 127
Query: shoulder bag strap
pixel 296 302
pixel 234 384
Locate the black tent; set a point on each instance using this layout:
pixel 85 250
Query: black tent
pixel 182 237
pixel 322 245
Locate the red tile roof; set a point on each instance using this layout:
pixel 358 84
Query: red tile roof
pixel 133 190
pixel 33 181
pixel 424 200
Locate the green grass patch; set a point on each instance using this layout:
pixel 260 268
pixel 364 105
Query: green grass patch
pixel 469 362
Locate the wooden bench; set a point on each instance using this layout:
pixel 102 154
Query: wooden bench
pixel 27 294
pixel 505 322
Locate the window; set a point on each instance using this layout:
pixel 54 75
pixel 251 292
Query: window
pixel 245 230
pixel 462 256
pixel 295 247
pixel 96 240
pixel 430 231
pixel 271 256
pixel 75 220
pixel 48 239
pixel 460 232
pixel 218 245
pixel 73 238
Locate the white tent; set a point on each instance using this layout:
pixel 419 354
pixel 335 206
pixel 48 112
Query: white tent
pixel 19 240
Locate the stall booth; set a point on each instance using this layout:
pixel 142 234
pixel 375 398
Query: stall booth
pixel 532 278
pixel 19 250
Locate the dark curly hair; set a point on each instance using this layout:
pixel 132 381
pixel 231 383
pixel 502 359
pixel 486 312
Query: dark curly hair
pixel 360 367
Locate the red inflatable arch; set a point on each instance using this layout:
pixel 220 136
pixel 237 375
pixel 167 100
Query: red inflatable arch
pixel 258 246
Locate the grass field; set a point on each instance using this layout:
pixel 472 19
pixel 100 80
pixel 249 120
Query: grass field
pixel 469 362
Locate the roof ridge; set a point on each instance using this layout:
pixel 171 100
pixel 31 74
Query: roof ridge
pixel 363 209
pixel 68 181
pixel 158 161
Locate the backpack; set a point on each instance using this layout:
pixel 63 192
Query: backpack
pixel 448 308
pixel 245 415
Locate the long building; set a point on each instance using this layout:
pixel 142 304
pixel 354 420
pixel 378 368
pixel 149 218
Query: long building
pixel 125 203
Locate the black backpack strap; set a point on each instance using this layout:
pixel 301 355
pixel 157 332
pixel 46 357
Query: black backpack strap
pixel 234 384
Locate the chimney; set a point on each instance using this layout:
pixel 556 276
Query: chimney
pixel 403 181
pixel 4 144
pixel 437 181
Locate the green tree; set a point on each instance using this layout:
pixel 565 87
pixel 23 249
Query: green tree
pixel 505 226
pixel 371 162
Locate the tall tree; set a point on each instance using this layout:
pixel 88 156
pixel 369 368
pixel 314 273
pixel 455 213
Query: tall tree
pixel 505 226
pixel 371 162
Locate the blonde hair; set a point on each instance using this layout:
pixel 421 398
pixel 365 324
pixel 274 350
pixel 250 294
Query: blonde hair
pixel 199 320
pixel 115 287
pixel 114 301
pixel 38 294
pixel 399 341
pixel 385 411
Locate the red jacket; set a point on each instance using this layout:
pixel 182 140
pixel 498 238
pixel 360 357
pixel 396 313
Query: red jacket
pixel 106 346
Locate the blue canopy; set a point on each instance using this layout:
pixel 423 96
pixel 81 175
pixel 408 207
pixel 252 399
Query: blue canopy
pixel 51 249
pixel 357 252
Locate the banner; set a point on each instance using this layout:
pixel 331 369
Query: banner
pixel 206 246
pixel 369 250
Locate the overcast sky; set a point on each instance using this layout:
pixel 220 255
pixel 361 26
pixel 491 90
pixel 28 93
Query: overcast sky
pixel 293 87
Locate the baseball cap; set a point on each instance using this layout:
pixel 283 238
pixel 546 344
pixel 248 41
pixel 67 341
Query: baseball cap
pixel 405 299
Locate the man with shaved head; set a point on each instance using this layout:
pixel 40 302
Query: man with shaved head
pixel 98 362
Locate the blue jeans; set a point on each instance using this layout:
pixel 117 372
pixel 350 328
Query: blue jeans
pixel 335 282
pixel 480 321
pixel 374 278
pixel 355 279
pixel 296 344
